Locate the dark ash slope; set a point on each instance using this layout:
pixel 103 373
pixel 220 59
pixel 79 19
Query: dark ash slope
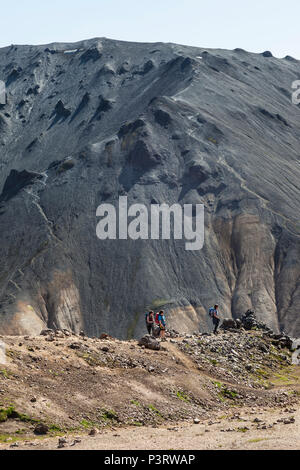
pixel 87 122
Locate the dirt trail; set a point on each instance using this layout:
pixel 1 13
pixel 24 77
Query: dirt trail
pixel 220 432
pixel 180 356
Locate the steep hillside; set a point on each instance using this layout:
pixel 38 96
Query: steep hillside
pixel 89 122
pixel 71 383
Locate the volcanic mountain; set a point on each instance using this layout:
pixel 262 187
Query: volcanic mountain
pixel 86 123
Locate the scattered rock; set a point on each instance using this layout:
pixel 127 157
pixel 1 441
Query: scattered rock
pixel 262 347
pixel 15 444
pixel 257 420
pixel 61 442
pixel 75 345
pixel 59 334
pixel 50 338
pixel 76 441
pixel 290 420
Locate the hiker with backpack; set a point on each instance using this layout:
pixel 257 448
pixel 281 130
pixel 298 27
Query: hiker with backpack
pixel 156 327
pixel 214 314
pixel 162 324
pixel 150 322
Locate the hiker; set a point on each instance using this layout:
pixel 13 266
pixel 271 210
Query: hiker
pixel 150 321
pixel 162 324
pixel 214 314
pixel 156 327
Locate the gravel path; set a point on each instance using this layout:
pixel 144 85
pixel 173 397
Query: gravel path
pixel 238 431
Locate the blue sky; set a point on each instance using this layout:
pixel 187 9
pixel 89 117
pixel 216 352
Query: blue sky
pixel 255 25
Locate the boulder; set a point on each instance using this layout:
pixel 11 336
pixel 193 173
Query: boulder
pixel 59 334
pixel 46 332
pixel 286 342
pixel 149 342
pixel 228 323
pixel 249 320
pixel 93 432
pixel 61 442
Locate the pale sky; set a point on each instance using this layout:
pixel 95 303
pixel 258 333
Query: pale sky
pixel 255 25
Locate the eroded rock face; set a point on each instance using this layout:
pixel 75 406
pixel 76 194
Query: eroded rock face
pixel 16 181
pixel 85 123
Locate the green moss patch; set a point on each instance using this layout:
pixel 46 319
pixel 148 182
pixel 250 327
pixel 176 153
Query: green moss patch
pixel 11 413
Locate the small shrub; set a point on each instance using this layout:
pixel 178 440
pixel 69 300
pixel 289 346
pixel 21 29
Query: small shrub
pixel 214 361
pixel 109 415
pixel 152 408
pixel 11 413
pixel 182 396
pixel 242 429
pixel 4 373
pixel 136 403
pixel 86 424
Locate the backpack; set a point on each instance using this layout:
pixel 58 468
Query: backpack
pixel 156 318
pixel 211 312
pixel 156 331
